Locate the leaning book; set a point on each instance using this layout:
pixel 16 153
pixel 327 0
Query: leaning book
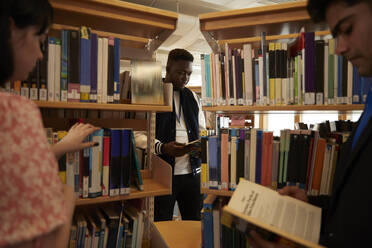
pixel 275 217
pixel 147 85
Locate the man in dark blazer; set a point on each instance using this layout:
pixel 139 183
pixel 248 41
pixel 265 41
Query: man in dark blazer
pixel 347 213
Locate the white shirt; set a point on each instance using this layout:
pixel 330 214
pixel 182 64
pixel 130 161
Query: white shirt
pixel 182 164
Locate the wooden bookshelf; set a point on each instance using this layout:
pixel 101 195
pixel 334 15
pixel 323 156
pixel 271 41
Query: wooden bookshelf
pixel 140 26
pixel 296 108
pixel 216 192
pixel 156 182
pixel 99 106
pixel 151 188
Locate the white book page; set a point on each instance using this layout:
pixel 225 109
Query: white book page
pixel 288 214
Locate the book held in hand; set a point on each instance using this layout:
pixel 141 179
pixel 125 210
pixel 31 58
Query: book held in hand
pixel 275 217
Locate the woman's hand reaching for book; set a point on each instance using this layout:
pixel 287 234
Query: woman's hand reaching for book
pixel 295 192
pixel 74 140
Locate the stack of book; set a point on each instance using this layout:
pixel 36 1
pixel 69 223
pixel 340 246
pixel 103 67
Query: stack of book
pixel 107 169
pixel 304 72
pixel 108 226
pixel 306 158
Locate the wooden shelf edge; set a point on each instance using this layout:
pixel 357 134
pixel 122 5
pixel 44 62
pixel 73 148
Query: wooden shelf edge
pixel 254 10
pixel 89 11
pixel 99 106
pixel 350 107
pixel 151 188
pixel 216 192
pixel 138 7
pixel 269 38
pixel 104 34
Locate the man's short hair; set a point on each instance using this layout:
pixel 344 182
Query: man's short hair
pixel 317 8
pixel 179 54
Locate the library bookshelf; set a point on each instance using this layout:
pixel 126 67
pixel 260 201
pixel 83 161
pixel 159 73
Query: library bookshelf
pixel 281 22
pixel 155 183
pixel 141 30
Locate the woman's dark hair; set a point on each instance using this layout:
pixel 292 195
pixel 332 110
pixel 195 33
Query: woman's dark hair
pixel 317 8
pixel 24 13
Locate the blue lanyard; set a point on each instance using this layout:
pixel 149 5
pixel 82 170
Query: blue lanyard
pixel 179 110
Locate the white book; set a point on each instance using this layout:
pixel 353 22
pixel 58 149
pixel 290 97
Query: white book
pixel 104 69
pixel 99 70
pixel 234 78
pixel 247 52
pixel 95 166
pixel 349 99
pixel 57 73
pixel 70 169
pixel 335 83
pixel 51 70
pixel 297 221
pixel 299 80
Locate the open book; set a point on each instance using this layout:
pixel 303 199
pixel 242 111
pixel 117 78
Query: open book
pixel 275 217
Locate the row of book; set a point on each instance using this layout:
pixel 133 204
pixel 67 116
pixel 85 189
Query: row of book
pixel 304 72
pixel 106 169
pixel 78 67
pixel 110 226
pixel 297 157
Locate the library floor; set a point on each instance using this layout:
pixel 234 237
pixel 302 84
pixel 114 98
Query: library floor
pixel 176 234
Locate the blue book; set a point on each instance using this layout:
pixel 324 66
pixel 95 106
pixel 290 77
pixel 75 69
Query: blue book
pixel 85 52
pixel 213 161
pixel 135 169
pixel 95 165
pixel 257 83
pixel 356 86
pixel 93 67
pixel 116 70
pixel 64 64
pixel 125 161
pixel 259 156
pixel 366 83
pixel 207 221
pixel 114 184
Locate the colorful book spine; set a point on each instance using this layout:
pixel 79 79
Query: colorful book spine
pixel 64 64
pixel 115 162
pixel 85 61
pixel 95 164
pixel 116 70
pixel 125 161
pixel 93 67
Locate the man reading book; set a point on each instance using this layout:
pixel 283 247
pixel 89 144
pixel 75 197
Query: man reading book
pixel 346 214
pixel 174 132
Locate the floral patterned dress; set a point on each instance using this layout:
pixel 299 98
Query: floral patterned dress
pixel 31 193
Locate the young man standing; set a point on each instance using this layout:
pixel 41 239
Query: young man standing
pixel 173 131
pixel 347 213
